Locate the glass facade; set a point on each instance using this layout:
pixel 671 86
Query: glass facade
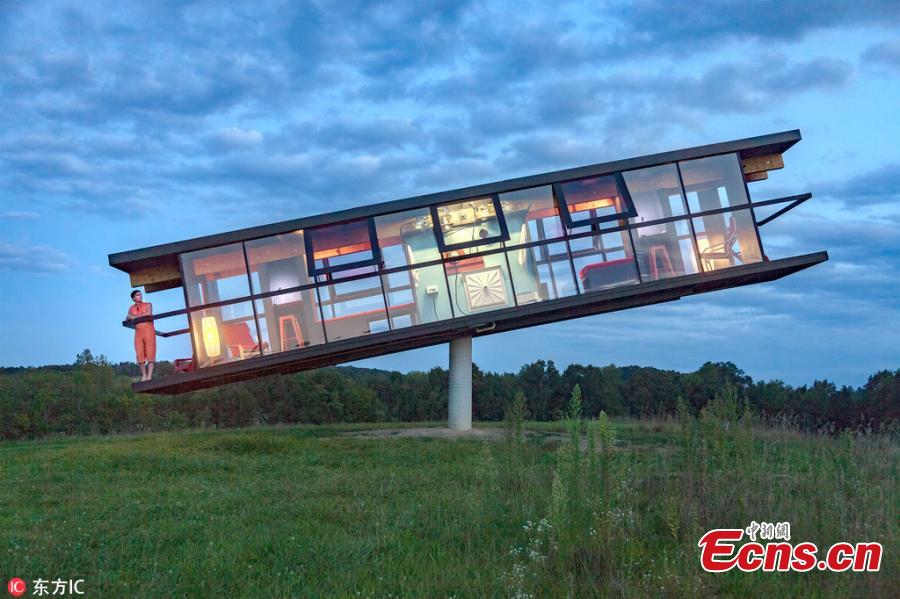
pixel 450 260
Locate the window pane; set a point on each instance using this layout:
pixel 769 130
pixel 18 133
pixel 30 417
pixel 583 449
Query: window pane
pixel 277 262
pixel 353 308
pixel 541 273
pixel 531 215
pixel 656 193
pixel 714 182
pixel 727 239
pixel 663 253
pixel 341 246
pixel 417 296
pixel 224 334
pixel 594 199
pixel 479 284
pixel 215 275
pixel 289 321
pixel 406 238
pixel 603 261
pixel 468 222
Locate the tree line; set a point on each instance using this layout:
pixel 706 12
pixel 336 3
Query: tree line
pixel 94 396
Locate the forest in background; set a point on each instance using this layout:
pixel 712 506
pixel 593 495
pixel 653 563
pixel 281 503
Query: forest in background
pixel 94 396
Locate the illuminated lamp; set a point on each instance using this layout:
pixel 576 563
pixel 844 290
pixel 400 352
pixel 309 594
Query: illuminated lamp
pixel 210 336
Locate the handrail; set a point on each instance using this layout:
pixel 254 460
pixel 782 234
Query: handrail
pixel 795 200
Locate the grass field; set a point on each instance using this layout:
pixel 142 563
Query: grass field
pixel 310 511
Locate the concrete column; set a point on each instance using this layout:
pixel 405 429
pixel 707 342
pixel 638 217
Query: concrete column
pixel 460 408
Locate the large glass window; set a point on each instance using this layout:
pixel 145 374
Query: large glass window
pixel 289 321
pixel 727 239
pixel 479 284
pixel 531 215
pixel 713 182
pixel 348 248
pixel 541 273
pixel 417 296
pixel 406 238
pixel 655 192
pixel 353 308
pixel 225 334
pixel 664 251
pixel 215 274
pixel 603 261
pixel 667 249
pixel 476 223
pixel 593 200
pixel 277 262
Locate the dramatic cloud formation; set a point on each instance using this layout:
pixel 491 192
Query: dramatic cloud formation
pixel 130 125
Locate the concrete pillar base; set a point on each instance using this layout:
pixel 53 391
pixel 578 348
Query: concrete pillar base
pixel 460 408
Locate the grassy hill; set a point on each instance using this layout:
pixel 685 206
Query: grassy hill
pixel 312 511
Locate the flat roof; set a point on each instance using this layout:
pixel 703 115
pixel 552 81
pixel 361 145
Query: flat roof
pixel 134 260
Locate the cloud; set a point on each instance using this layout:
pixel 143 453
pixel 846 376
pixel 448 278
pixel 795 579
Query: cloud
pixel 656 26
pixel 879 186
pixel 352 134
pixel 733 87
pixel 34 259
pixel 19 215
pixel 234 139
pixel 886 53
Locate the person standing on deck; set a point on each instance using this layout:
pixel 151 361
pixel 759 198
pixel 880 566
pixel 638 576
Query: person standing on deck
pixel 144 335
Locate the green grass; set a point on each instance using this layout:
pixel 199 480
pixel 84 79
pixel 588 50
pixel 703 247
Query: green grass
pixel 304 511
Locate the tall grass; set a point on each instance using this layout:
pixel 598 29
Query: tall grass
pixel 624 521
pixel 575 508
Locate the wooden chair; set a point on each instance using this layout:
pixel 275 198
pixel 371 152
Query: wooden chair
pixel 239 341
pixel 296 335
pixel 723 250
pixel 184 365
pixel 657 253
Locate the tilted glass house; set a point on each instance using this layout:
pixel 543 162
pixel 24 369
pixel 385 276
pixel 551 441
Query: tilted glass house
pixel 409 273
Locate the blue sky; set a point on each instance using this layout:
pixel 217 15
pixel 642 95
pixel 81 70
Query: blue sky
pixel 123 126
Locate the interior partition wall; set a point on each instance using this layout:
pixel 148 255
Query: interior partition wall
pixel 449 260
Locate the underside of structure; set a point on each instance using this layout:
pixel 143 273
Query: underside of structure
pixel 395 276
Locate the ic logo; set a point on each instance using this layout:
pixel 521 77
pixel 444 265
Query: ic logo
pixel 16 587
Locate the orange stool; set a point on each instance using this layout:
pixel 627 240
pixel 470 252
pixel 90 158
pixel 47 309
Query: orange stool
pixel 296 336
pixel 657 252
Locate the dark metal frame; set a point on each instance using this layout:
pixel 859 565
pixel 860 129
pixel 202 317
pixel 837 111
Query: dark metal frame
pixel 795 201
pixel 314 271
pixel 563 206
pixel 439 231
